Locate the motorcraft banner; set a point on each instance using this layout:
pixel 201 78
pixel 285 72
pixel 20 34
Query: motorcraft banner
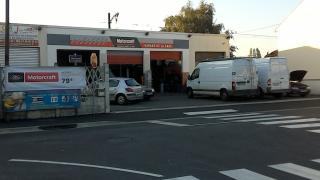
pixel 44 78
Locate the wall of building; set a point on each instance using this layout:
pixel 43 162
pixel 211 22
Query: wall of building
pixel 298 40
pixel 207 43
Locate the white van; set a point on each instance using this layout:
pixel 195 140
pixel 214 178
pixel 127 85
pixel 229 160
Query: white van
pixel 273 76
pixel 224 78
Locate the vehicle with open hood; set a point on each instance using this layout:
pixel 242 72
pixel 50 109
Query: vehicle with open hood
pixel 296 85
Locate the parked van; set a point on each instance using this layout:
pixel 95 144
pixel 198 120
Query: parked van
pixel 273 76
pixel 224 78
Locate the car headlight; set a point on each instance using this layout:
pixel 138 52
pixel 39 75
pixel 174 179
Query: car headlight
pixel 308 87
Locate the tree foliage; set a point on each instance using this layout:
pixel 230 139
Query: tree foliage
pixel 193 20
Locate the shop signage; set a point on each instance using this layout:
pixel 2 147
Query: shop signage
pixel 125 42
pixel 37 100
pixel 75 58
pixel 44 78
pixel 20 35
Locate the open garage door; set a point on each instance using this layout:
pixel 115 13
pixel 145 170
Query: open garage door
pixel 166 70
pixel 126 64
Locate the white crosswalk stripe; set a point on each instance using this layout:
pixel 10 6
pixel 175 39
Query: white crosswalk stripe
pixel 168 123
pixel 244 174
pixel 290 121
pixel 184 178
pixel 296 126
pixel 232 115
pixel 250 117
pixel 270 118
pixel 298 170
pixel 210 112
pixel 315 131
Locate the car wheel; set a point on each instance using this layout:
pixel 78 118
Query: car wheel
pixel 224 95
pixel 303 95
pixel 260 93
pixel 121 99
pixel 190 93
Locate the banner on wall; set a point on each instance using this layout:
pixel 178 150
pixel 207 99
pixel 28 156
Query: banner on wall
pixel 37 100
pixel 44 78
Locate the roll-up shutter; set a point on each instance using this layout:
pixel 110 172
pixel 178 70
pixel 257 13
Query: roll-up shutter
pixel 21 56
pixel 165 55
pixel 125 57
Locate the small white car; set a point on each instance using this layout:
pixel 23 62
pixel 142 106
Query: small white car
pixel 123 90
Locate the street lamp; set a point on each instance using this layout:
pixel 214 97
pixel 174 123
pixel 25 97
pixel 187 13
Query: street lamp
pixel 7 43
pixel 115 16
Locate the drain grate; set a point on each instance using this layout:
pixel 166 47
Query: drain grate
pixel 58 127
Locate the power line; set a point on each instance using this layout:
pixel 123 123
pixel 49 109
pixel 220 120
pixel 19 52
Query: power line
pixel 260 28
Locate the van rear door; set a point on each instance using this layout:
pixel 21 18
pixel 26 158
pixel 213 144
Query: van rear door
pixel 241 74
pixel 279 74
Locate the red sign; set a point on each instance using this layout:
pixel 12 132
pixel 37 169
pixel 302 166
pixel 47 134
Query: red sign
pixel 41 77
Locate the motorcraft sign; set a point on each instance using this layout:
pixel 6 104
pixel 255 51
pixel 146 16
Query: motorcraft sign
pixel 44 78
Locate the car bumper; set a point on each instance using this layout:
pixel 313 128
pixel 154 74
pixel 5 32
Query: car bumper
pixel 247 92
pixel 134 96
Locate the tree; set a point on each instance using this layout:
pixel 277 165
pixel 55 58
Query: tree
pixel 193 20
pixel 255 52
pixel 258 53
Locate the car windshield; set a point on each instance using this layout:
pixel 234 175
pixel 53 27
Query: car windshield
pixel 132 82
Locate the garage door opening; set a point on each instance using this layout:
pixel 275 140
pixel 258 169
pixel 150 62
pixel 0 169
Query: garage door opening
pixel 126 64
pixel 166 71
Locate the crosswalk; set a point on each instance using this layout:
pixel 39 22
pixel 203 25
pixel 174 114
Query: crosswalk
pixel 261 118
pixel 287 168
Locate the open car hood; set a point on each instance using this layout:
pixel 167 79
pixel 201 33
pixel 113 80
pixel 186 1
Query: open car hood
pixel 297 75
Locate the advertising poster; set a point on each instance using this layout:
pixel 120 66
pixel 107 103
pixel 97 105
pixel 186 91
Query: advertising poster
pixel 44 78
pixel 44 99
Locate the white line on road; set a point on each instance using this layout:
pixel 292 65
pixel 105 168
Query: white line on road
pixel 168 123
pixel 316 160
pixel 269 119
pixel 184 178
pixel 233 115
pixel 245 174
pixel 298 170
pixel 217 105
pixel 249 117
pixel 290 121
pixel 20 130
pixel 315 131
pixel 86 165
pixel 210 112
pixel 295 126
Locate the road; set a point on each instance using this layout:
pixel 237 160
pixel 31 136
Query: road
pixel 238 140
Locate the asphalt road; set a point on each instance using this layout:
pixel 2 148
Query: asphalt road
pixel 276 139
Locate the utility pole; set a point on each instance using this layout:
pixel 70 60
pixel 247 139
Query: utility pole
pixel 115 16
pixel 7 33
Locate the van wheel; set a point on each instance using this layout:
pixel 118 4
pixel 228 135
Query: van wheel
pixel 278 95
pixel 260 93
pixel 190 93
pixel 121 99
pixel 224 95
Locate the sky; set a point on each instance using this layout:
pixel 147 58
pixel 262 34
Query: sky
pixel 241 16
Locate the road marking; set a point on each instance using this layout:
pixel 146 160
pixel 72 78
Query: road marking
pixel 86 165
pixel 295 126
pixel 168 123
pixel 20 130
pixel 217 105
pixel 244 174
pixel 290 121
pixel 316 160
pixel 234 115
pixel 184 178
pixel 315 131
pixel 298 170
pixel 249 117
pixel 269 119
pixel 210 112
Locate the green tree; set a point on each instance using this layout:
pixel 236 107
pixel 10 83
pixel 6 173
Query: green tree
pixel 193 20
pixel 258 53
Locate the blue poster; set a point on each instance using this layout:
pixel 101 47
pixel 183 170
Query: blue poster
pixel 53 99
pixel 44 99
